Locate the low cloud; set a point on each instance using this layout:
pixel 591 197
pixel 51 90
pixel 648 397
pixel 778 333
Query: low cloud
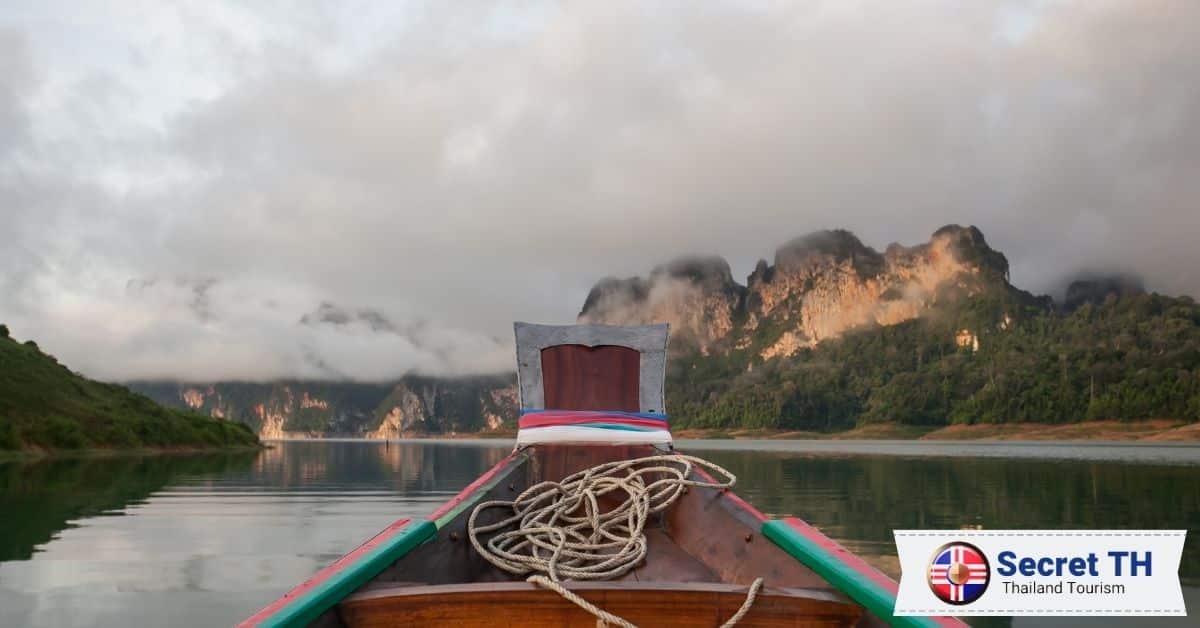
pixel 452 167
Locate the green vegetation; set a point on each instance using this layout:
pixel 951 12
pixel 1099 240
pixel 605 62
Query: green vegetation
pixel 43 405
pixel 1127 358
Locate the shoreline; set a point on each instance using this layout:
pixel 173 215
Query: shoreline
pixel 1150 431
pixel 1157 431
pixel 1154 431
pixel 29 455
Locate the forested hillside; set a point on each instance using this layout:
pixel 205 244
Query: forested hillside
pixel 43 405
pixel 1128 358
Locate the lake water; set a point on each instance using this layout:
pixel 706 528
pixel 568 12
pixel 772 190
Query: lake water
pixel 205 540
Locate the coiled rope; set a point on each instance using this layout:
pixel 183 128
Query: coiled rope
pixel 558 531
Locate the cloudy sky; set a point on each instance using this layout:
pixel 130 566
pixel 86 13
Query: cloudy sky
pixel 208 190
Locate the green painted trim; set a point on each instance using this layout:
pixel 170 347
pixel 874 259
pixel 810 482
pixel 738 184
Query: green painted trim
pixel 306 609
pixel 875 598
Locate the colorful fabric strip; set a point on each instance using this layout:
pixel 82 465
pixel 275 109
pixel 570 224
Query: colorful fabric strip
pixel 542 420
pixel 590 434
pixel 592 426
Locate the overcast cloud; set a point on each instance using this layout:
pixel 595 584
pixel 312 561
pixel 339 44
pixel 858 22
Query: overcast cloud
pixel 207 191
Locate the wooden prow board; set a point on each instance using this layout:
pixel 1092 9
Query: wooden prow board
pixel 592 384
pixel 577 377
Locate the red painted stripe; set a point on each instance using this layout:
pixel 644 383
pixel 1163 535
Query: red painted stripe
pixel 324 574
pixel 532 420
pixel 733 497
pixel 471 488
pixel 595 413
pixel 853 561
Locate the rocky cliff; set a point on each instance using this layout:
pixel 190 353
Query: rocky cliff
pixel 819 286
pixel 413 405
pixel 828 282
pixel 697 296
pixel 403 413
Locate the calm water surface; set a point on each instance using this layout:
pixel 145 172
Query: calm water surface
pixel 205 540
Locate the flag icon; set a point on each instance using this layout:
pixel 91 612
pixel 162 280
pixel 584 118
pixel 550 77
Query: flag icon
pixel 958 573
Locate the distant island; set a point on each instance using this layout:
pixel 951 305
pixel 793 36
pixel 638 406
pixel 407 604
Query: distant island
pixel 830 339
pixel 44 407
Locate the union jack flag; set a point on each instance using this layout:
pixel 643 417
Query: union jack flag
pixel 958 573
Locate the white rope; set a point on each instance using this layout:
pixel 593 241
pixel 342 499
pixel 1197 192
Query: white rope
pixel 558 531
pixel 603 617
pixel 751 595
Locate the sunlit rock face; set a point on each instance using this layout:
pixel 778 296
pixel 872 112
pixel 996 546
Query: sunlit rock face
pixel 403 411
pixel 277 411
pixel 819 286
pixel 312 402
pixel 193 397
pixel 828 282
pixel 312 409
pixel 413 409
pixel 696 296
pixel 271 423
pixel 966 339
pixel 504 404
pixel 206 400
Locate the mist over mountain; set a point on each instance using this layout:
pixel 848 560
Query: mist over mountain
pixel 830 335
pixel 1096 288
pixel 411 406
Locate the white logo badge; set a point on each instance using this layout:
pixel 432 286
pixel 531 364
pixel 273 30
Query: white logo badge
pixel 1040 572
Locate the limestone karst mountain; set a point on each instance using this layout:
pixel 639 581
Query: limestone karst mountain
pixel 410 406
pixel 697 296
pixel 830 334
pixel 820 286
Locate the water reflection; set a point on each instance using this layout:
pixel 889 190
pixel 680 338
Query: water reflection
pixel 41 498
pixel 410 467
pixel 861 499
pixel 206 540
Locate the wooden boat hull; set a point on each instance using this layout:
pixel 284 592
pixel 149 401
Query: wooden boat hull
pixel 518 604
pixel 703 554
